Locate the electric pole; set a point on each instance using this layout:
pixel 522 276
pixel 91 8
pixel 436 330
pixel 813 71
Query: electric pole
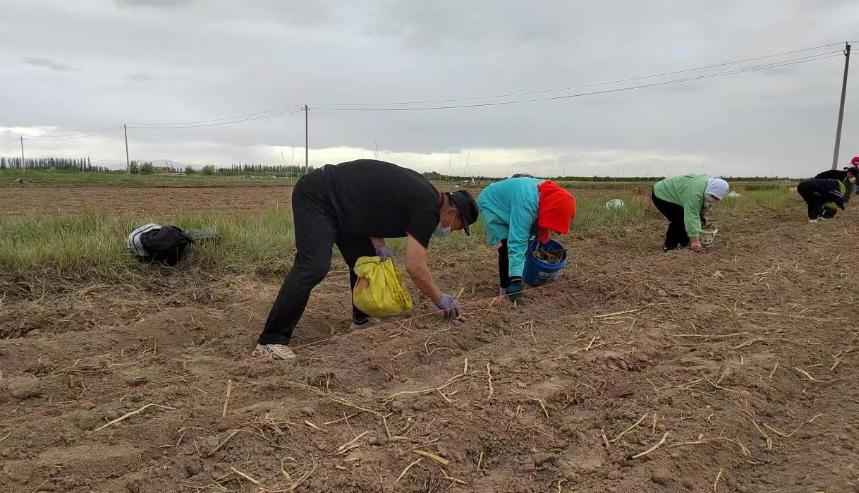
pixel 22 153
pixel 306 150
pixel 127 162
pixel 841 108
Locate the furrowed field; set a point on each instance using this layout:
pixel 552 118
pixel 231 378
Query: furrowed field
pixel 734 370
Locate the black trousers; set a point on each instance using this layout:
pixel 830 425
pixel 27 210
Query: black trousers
pixel 676 234
pixel 317 230
pixel 813 197
pixel 503 265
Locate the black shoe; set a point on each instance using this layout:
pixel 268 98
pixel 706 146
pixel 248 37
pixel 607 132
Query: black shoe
pixel 362 324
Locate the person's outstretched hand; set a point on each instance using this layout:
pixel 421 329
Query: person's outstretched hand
pixel 448 305
pixel 696 246
pixel 383 253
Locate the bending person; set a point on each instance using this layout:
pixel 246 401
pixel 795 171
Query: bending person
pixel 822 197
pixel 848 176
pixel 839 174
pixel 513 211
pixel 684 200
pixel 356 205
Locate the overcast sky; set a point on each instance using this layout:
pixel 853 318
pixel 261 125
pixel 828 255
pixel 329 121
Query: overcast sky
pixel 70 68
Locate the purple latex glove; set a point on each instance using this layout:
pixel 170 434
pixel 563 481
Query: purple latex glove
pixel 383 252
pixel 448 305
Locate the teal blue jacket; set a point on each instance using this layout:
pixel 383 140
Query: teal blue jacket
pixel 508 209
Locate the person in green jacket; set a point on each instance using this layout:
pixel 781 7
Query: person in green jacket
pixel 683 200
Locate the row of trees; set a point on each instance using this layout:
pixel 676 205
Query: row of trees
pixel 657 178
pixel 260 169
pixel 147 168
pixel 82 164
pixel 432 175
pixel 141 168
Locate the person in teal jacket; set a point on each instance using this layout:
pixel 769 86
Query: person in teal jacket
pixel 683 200
pixel 513 211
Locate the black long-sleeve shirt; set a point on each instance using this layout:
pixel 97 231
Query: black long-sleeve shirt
pixel 833 174
pixel 826 190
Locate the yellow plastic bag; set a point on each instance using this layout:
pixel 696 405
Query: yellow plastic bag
pixel 379 291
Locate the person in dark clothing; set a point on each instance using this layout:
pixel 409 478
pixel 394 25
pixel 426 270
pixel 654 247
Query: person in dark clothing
pixel 848 176
pixel 839 174
pixel 822 196
pixel 356 205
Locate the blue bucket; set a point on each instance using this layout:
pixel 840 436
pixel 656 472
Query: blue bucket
pixel 538 271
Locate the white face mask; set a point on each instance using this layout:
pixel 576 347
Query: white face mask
pixel 441 231
pixel 709 200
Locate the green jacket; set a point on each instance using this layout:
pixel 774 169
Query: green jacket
pixel 686 191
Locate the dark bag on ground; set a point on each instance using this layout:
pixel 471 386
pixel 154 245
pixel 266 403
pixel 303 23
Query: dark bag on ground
pixel 159 244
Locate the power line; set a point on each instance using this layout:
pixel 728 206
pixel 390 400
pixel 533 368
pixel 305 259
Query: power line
pixel 403 106
pixel 782 63
pixel 189 124
pixel 218 123
pixel 219 119
pixel 592 84
pixel 626 88
pixel 264 115
pixel 213 120
pixel 84 135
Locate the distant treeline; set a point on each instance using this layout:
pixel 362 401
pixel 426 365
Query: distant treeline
pixel 647 178
pixel 432 175
pixel 82 164
pixel 147 167
pixel 258 169
pixel 608 178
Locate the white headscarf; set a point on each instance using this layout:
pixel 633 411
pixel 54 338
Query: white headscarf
pixel 717 187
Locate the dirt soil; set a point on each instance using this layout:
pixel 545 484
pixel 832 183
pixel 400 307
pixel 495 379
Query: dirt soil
pixel 734 370
pixel 129 202
pixel 170 201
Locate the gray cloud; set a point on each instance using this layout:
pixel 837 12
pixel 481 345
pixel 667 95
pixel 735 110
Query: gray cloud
pixel 141 77
pixel 46 63
pixel 153 3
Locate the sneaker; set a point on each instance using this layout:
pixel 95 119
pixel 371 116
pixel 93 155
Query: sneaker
pixel 813 221
pixel 275 352
pixel 363 324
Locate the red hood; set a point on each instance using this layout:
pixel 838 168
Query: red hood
pixel 557 207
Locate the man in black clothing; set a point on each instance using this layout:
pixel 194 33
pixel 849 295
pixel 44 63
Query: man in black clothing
pixel 817 193
pixel 356 205
pixel 839 174
pixel 848 176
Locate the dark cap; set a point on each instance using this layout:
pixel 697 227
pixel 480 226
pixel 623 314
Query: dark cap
pixel 467 207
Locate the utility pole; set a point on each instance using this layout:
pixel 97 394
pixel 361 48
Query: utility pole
pixel 22 153
pixel 841 108
pixel 306 150
pixel 127 162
